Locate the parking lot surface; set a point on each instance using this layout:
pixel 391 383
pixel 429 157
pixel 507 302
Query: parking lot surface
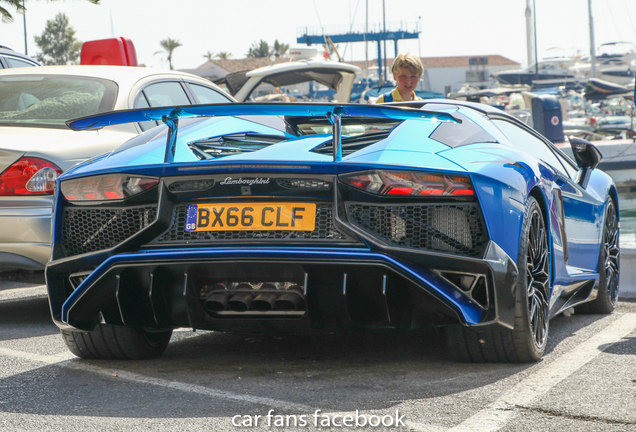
pixel 224 382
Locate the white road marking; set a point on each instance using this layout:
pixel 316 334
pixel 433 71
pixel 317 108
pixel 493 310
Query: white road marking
pixel 68 360
pixel 185 387
pixel 46 359
pixel 20 293
pixel 420 427
pixel 502 411
pixel 497 415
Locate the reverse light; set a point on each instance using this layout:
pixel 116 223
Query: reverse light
pixel 106 187
pixel 29 176
pixel 410 183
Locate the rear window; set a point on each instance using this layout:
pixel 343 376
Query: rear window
pixel 459 134
pixel 49 101
pixel 16 62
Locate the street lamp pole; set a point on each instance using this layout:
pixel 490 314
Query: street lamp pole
pixel 384 35
pixel 536 55
pixel 26 50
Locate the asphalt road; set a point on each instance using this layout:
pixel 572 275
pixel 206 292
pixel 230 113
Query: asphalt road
pixel 207 381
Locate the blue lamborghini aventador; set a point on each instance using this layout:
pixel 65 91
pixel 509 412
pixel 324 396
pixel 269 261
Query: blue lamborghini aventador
pixel 324 217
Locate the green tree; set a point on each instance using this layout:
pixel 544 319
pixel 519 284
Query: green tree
pixel 58 43
pixel 17 4
pixel 263 49
pixel 259 49
pixel 280 48
pixel 169 45
pixel 220 55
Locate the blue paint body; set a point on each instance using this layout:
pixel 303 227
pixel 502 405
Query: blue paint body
pixel 503 177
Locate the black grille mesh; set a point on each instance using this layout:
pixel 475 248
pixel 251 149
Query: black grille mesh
pixel 452 228
pixel 324 230
pixel 303 184
pixel 92 229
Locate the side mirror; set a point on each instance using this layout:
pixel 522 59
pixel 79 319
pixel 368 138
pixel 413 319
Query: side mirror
pixel 587 157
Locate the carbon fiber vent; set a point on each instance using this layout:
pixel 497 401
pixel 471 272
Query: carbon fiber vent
pixel 324 230
pixel 92 229
pixel 450 228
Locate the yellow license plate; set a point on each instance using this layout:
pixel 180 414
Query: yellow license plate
pixel 251 217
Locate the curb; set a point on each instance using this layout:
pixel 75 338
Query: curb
pixel 628 271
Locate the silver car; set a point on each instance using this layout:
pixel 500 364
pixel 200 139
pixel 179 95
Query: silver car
pixel 36 145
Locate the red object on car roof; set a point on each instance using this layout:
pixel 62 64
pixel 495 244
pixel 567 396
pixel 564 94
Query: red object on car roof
pixel 113 51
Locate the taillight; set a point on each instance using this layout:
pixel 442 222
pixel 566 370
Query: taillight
pixel 409 183
pixel 106 187
pixel 29 176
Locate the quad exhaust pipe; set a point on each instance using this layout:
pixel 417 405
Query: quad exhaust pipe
pixel 240 302
pixel 264 302
pixel 216 302
pixel 289 300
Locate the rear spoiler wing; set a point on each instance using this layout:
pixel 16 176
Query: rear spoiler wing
pixel 333 112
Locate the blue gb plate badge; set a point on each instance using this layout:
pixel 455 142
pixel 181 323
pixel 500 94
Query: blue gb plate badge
pixel 191 218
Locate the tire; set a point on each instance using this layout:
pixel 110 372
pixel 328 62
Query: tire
pixel 526 342
pixel 608 266
pixel 111 342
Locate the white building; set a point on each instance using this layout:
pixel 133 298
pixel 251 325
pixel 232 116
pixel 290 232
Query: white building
pixel 441 74
pixel 449 74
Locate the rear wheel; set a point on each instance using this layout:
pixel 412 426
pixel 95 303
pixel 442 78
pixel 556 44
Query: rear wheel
pixel 527 341
pixel 608 266
pixel 111 342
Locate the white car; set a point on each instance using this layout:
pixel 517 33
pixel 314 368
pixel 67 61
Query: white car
pixel 13 59
pixel 304 67
pixel 36 145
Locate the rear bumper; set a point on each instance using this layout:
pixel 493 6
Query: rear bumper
pixel 25 233
pixel 347 287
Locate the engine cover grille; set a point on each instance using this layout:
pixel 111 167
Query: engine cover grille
pixel 324 231
pixel 452 228
pixel 91 229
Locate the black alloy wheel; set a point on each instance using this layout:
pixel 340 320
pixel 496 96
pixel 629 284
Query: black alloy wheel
pixel 611 252
pixel 608 266
pixel 537 279
pixel 527 341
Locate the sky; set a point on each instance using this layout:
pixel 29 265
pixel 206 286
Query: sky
pixel 448 28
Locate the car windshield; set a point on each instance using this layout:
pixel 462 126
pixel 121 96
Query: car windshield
pixel 49 101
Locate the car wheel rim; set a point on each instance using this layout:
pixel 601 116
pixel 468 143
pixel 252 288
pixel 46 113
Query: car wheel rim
pixel 538 279
pixel 611 253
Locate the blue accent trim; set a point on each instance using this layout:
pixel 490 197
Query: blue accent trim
pixel 470 312
pixel 237 109
pixel 173 127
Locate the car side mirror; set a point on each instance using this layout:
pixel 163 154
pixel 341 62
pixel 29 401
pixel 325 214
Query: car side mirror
pixel 587 157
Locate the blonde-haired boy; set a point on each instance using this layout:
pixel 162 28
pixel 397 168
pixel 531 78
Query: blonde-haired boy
pixel 407 71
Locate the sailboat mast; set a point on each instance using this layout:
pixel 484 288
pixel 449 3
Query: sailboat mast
pixel 529 38
pixel 366 47
pixel 592 43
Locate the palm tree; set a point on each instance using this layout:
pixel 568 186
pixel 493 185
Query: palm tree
pixel 19 8
pixel 224 55
pixel 259 49
pixel 280 48
pixel 169 45
pixel 209 55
